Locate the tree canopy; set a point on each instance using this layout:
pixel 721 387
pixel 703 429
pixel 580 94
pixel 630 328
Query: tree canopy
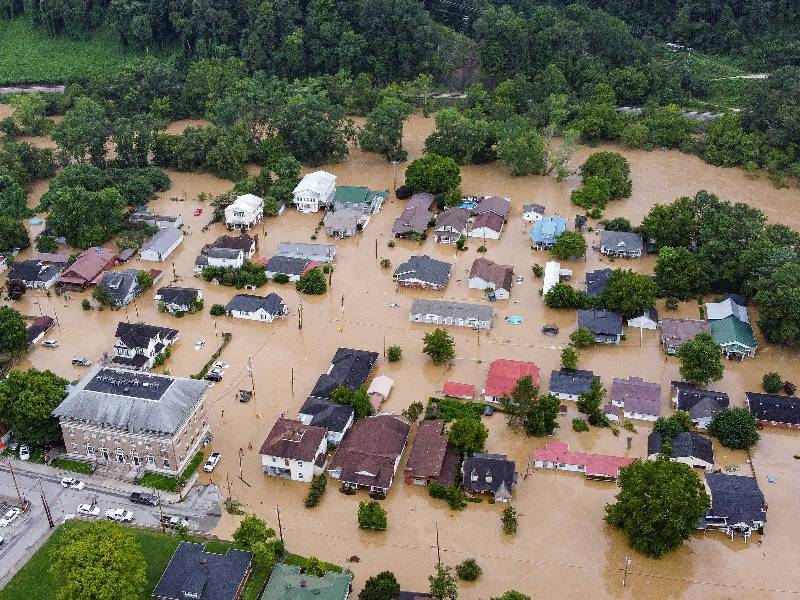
pixel 382 586
pixel 468 435
pixel 27 400
pixel 701 360
pixel 629 293
pixel 439 346
pixel 13 333
pixel 86 218
pixel 735 428
pixel 433 173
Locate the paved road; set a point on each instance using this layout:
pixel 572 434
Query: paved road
pixel 24 536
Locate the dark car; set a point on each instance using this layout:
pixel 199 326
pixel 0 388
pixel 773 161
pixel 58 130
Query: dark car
pixel 140 498
pixel 550 329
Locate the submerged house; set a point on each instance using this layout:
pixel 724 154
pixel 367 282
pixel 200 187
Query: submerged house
pixel 597 281
pixel 503 376
pixel 735 337
pixel 423 272
pixel 294 450
pixel 138 345
pixel 178 299
pixel 244 212
pixel 606 325
pixel 451 225
pixel 343 223
pixel 545 232
pixel 315 192
pixel 457 314
pixel 622 244
pixel 557 455
pixel 87 268
pixel 687 447
pixel 335 418
pixel 569 384
pixel 413 222
pixel 487 275
pixel 358 198
pixel 676 332
pixel 288 582
pixel 121 287
pixel 701 404
pixel 257 308
pixel 161 245
pixel 323 253
pixel 492 474
pixel 36 274
pixel 349 367
pixel 638 399
pixel 774 410
pixel 431 458
pixel 292 267
pixel 737 505
pixel 532 212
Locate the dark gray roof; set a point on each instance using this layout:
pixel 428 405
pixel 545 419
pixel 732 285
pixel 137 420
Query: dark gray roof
pixel 237 242
pixel 699 403
pixel 210 576
pixel 38 327
pixel 737 498
pixel 271 303
pixel 177 295
pixel 132 402
pixel 686 444
pixel 533 207
pixel 424 268
pixel 623 241
pixel 771 407
pixel 597 281
pixel 138 335
pixel 571 381
pixel 350 368
pixel 501 470
pixel 602 322
pixel 229 253
pixel 288 265
pixel 120 283
pixel 34 270
pixel 327 413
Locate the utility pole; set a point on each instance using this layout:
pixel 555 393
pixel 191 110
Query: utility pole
pixel 625 574
pixel 292 382
pixel 438 548
pixel 46 507
pixel 14 478
pixel 280 527
pixel 230 496
pixel 250 371
pixel 161 513
pixel 300 314
pixel 376 248
pixel 384 346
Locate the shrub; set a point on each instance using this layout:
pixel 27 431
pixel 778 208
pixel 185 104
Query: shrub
pixel 413 411
pixel 386 263
pixel 509 519
pixel 461 244
pixel 469 570
pixel 371 515
pixel 454 495
pixel 249 274
pixel 391 244
pixel 735 428
pixel 582 338
pixel 537 269
pixel 217 310
pixel 579 425
pixel 85 304
pixel 316 490
pixel 312 282
pixel 772 382
pixel 789 388
pixel 482 249
pixel 394 353
pixel 281 278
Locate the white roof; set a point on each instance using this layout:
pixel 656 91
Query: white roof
pixel 318 182
pixel 725 309
pixel 552 275
pixel 381 385
pixel 247 203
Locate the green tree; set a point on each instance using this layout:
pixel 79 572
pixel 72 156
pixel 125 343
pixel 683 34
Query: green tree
pixel 563 295
pixel 382 586
pixel 27 400
pixel 658 505
pixel 312 282
pixel 778 300
pixel 509 520
pixel 635 135
pixel 394 353
pixel 468 435
pixel 46 243
pixel 512 595
pixel 667 127
pixel 13 234
pixel 570 244
pixel 582 338
pixel 468 570
pixel 519 402
pixel 264 554
pixel 86 218
pixel 84 131
pixel 464 139
pixel 30 114
pixel 12 198
pixel 612 167
pixel 13 333
pixel 383 131
pixel 541 420
pixel 734 427
pixel 100 560
pixel 591 404
pixel 439 346
pixel 629 293
pixel 595 193
pixel 617 224
pixel 772 382
pixel 251 530
pixel 523 150
pixel 443 583
pixel 433 173
pixel 314 567
pixel 670 224
pixel 671 426
pixel 144 280
pixel 701 360
pixel 357 398
pixel 569 358
pixel 371 515
pixel 677 272
pixel 314 129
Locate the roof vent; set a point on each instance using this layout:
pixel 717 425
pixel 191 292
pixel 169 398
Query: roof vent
pixel 203 561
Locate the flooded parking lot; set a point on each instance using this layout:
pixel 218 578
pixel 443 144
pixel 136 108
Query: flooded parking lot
pixel 563 550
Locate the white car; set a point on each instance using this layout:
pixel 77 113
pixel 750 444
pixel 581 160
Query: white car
pixel 211 462
pixel 89 510
pixel 50 344
pixel 221 365
pixel 119 514
pixel 72 483
pixel 10 516
pixel 24 453
pixel 199 344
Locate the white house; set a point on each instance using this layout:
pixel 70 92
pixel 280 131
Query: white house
pixel 257 308
pixel 487 275
pixel 647 320
pixel 686 447
pixel 36 274
pixel 244 212
pixel 138 345
pixel 294 451
pixel 314 192
pixel 487 226
pixel 552 275
pixel 225 257
pixel 532 212
pixel 178 299
pixel 161 245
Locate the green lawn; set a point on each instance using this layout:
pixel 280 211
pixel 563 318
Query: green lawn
pixel 451 409
pixel 168 483
pixel 72 465
pixel 28 55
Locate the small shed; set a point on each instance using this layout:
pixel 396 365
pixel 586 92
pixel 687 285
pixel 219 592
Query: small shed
pixel 379 390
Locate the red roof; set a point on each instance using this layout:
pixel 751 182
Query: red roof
pixel 594 464
pixel 458 390
pixel 312 264
pixel 504 375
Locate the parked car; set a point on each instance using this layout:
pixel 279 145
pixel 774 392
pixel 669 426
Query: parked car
pixel 89 510
pixel 50 344
pixel 215 375
pixel 10 516
pixel 119 514
pixel 549 329
pixel 80 361
pixel 2 539
pixel 24 453
pixel 72 483
pixel 174 522
pixel 520 279
pixel 141 498
pixel 199 344
pixel 211 462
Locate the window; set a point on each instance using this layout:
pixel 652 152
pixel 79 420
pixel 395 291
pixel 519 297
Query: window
pixel 103 453
pixel 74 448
pixel 299 464
pixel 71 432
pixel 135 458
pixel 119 455
pixel 89 450
pixel 166 463
pixel 151 460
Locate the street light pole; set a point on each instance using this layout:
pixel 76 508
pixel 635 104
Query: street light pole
pixel 280 527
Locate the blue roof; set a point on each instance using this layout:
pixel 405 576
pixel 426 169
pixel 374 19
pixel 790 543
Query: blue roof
pixel 548 229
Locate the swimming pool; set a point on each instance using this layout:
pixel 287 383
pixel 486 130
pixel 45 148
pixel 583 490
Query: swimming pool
pixel 515 320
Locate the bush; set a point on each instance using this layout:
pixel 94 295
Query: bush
pixel 579 425
pixel 537 269
pixel 371 515
pixel 734 428
pixel 509 519
pixel 281 278
pixel 461 244
pixel 582 338
pixel 772 382
pixel 482 249
pixel 394 353
pixel 391 244
pixel 46 243
pixel 454 495
pixel 312 282
pixel 469 570
pixel 85 304
pixel 386 263
pixel 316 490
pixel 217 310
pixel 249 274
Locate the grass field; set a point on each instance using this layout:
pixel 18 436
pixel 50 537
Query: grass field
pixel 72 465
pixel 28 55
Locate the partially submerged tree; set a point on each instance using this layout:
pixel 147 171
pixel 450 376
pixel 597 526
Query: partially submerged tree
pixel 701 360
pixel 439 346
pixel 734 427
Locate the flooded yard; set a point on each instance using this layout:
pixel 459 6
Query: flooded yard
pixel 563 549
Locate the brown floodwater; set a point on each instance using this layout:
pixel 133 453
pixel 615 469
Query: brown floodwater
pixel 563 549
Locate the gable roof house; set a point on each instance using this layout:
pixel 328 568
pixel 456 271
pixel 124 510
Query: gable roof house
pixel 487 225
pixel 246 243
pixel 701 404
pixel 294 450
pixel 774 410
pixel 360 199
pixel 624 244
pixel 138 345
pixel 431 457
pixel 287 582
pixel 569 384
pixel 688 447
pixel 597 281
pixel 552 276
pixel 647 320
pixel 463 391
pixel 726 308
pixel 225 257
pixel 415 216
pixel 244 212
pixel 36 274
pixel 557 455
pixel 639 399
pixel 497 205
pixel 194 574
pixel 606 325
pixel 161 245
pixel 87 268
pixel 344 222
pixel 676 332
pixel 493 474
pixel 423 272
pixel 291 266
pixel 323 253
pixel 503 376
pixel 486 274
pixel 546 230
pixel 335 418
pixel 160 221
pixel 257 308
pixel 350 368
pixel 314 192
pixel 178 299
pixel 457 314
pixel 532 212
pixel 122 286
pixel 451 225
pixel 735 337
pixel 737 504
pixel 38 328
pixel 370 453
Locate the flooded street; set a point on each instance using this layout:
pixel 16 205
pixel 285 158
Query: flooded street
pixel 563 549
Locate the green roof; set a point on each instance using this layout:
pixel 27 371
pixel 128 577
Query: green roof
pixel 348 194
pixel 731 330
pixel 285 584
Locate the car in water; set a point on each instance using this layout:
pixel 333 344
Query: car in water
pixel 80 361
pixel 120 515
pixel 143 498
pixel 198 212
pixel 549 329
pixel 9 517
pixel 212 462
pixel 50 344
pixel 89 510
pixel 72 483
pixel 215 375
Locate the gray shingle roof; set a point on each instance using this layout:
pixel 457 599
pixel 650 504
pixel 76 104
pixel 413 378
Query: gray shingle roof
pixel 327 413
pixel 349 367
pixel 271 303
pixel 424 268
pixel 211 576
pixel 286 265
pixel 457 310
pixel 570 381
pixel 132 402
pixel 120 283
pixel 737 498
pixel 310 251
pixel 602 322
pixel 163 240
pixel 34 270
pixel 229 253
pixel 497 467
pixel 177 295
pixel 622 241
pixel 686 444
pixel 771 407
pixel 699 403
pixel 138 335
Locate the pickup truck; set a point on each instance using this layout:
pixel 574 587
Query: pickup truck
pixel 211 462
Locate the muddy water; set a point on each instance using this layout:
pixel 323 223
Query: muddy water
pixel 563 550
